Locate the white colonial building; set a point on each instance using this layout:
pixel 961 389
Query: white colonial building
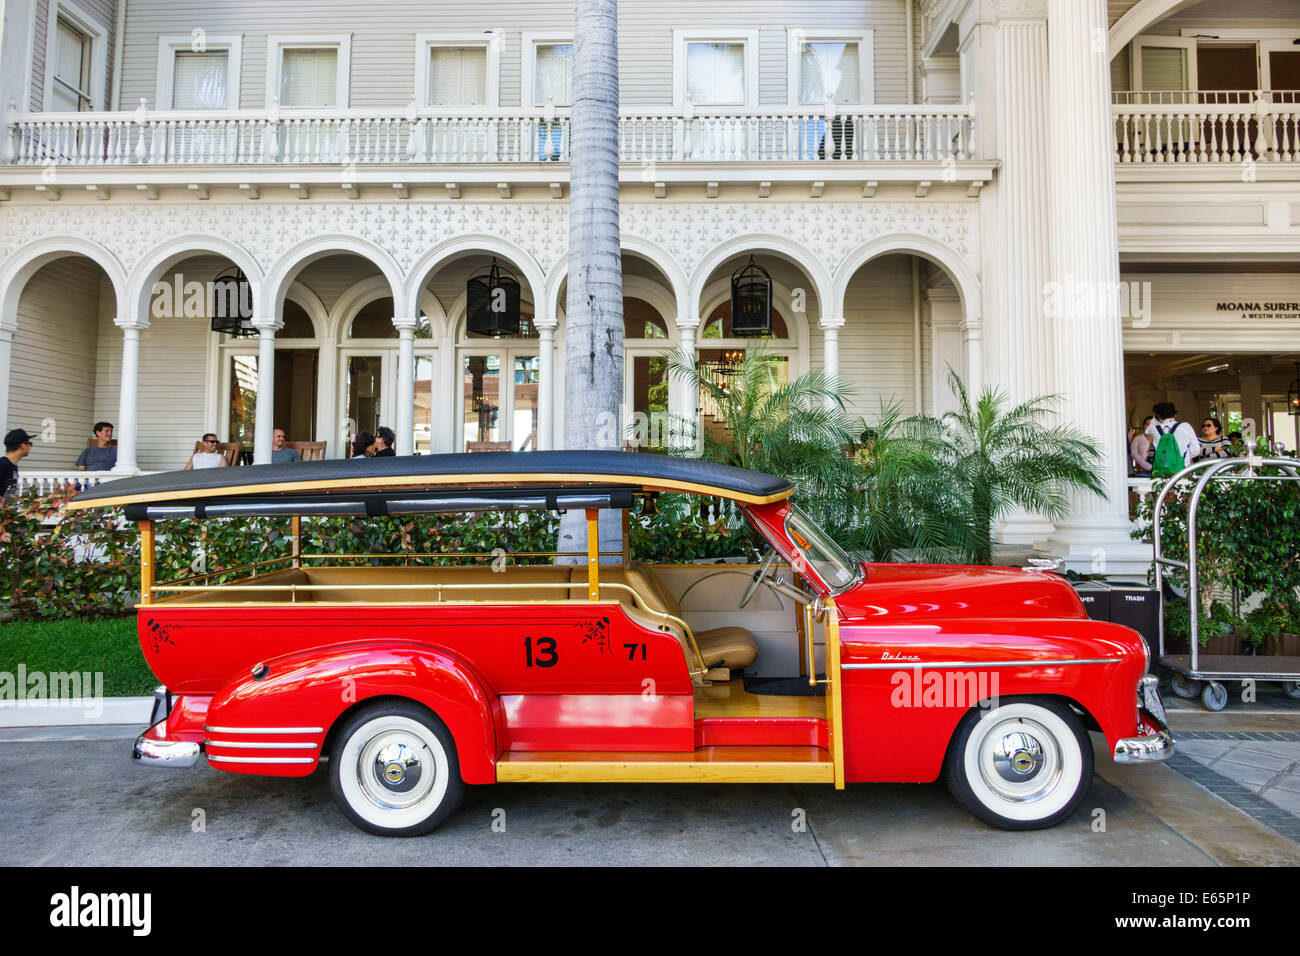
pixel 928 183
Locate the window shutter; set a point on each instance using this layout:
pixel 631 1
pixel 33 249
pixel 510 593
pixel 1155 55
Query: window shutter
pixel 199 81
pixel 715 73
pixel 457 76
pixel 554 66
pixel 309 78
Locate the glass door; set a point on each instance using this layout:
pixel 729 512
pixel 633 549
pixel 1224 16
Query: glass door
pixel 365 396
pixel 498 399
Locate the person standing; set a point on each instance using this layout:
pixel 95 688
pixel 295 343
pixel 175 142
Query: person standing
pixel 1213 442
pixel 279 454
pixel 18 445
pixel 1175 441
pixel 1139 449
pixel 102 455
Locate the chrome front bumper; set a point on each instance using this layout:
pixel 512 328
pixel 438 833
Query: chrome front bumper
pixel 1150 748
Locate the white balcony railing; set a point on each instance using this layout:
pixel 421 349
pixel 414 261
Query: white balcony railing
pixel 261 137
pixel 46 482
pixel 1222 126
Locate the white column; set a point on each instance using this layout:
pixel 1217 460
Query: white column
pixel 688 398
pixel 545 387
pixel 831 348
pixel 6 353
pixel 405 383
pixel 1085 255
pixel 265 427
pixel 1015 266
pixel 128 399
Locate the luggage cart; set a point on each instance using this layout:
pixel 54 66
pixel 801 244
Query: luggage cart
pixel 1206 675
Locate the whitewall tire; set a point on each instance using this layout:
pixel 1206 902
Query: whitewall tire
pixel 393 770
pixel 1023 765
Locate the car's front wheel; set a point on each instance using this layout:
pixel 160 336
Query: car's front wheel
pixel 1023 765
pixel 393 770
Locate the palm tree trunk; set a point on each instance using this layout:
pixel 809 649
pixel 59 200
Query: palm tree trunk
pixel 593 366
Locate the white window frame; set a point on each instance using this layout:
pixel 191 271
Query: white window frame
pixel 276 44
pixel 797 37
pixel 488 39
pixel 748 37
pixel 78 17
pixel 1188 45
pixel 528 73
pixel 169 46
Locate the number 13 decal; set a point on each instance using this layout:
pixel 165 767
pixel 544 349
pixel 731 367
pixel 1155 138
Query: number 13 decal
pixel 547 656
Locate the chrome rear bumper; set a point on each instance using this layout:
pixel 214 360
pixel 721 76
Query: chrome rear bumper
pixel 177 754
pixel 1149 748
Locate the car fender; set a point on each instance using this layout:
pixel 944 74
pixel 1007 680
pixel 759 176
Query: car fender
pixel 296 699
pixel 906 688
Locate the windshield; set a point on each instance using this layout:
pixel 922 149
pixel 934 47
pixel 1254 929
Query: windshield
pixel 826 558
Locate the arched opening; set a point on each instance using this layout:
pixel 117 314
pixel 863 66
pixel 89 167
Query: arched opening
pixel 649 331
pixel 62 367
pixel 491 400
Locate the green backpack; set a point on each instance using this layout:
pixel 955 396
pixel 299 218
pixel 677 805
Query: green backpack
pixel 1169 457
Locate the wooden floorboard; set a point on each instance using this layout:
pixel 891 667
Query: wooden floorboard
pixel 704 765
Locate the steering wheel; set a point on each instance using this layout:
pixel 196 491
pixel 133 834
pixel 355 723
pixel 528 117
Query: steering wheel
pixel 769 561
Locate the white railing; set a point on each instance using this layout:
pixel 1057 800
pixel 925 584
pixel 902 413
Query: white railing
pixel 46 482
pixel 259 137
pixel 1239 125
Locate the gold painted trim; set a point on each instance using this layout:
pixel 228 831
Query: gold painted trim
pixel 146 562
pixel 835 712
pixel 618 768
pixel 425 481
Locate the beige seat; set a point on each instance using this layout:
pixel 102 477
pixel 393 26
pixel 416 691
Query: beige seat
pixel 734 647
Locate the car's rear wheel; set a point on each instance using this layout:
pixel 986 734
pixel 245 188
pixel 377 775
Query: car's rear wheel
pixel 393 770
pixel 1023 765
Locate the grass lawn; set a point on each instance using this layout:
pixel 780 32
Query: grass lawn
pixel 106 645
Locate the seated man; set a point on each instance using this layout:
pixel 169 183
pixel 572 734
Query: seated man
pixel 279 454
pixel 102 455
pixel 209 457
pixel 385 441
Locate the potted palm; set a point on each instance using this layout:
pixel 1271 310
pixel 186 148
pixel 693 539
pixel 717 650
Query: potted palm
pixel 993 457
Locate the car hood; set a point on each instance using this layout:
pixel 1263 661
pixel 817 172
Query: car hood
pixel 914 591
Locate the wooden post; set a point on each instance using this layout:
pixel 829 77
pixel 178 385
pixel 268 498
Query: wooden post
pixel 593 554
pixel 146 561
pixel 295 531
pixel 627 536
pixel 835 703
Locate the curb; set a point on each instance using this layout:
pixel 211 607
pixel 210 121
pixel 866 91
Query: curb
pixel 76 712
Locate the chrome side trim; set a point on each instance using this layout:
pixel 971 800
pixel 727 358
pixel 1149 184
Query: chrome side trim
pixel 171 754
pixel 903 665
pixel 264 730
pixel 260 745
pixel 212 759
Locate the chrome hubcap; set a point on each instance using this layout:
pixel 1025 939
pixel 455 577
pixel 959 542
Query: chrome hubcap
pixel 1020 760
pixel 1017 756
pixel 395 770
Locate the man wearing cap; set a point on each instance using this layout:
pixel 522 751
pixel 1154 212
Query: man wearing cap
pixel 18 444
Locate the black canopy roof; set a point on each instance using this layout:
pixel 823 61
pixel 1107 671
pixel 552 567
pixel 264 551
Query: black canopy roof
pixel 411 483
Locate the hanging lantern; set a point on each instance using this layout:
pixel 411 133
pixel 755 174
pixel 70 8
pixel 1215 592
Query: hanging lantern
pixel 1293 394
pixel 492 303
pixel 232 304
pixel 751 301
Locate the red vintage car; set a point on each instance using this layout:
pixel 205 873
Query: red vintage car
pixel 411 681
